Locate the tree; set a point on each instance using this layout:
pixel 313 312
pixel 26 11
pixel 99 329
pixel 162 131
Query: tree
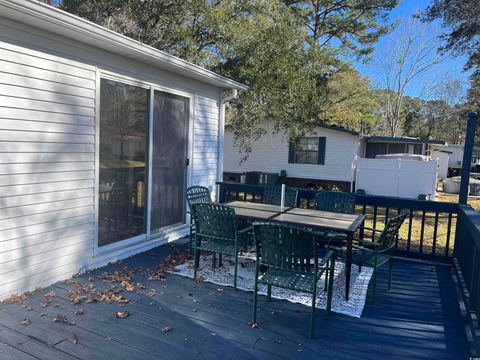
pixel 355 25
pixel 411 54
pixel 265 44
pixel 351 103
pixel 461 37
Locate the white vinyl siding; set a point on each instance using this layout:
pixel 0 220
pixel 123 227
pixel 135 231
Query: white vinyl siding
pixel 47 128
pixel 270 154
pixel 47 152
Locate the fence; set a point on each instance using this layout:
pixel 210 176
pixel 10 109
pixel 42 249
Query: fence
pixel 427 233
pixel 395 177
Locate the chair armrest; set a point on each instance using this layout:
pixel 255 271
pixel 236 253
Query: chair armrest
pixel 371 229
pixel 367 242
pixel 327 257
pixel 246 230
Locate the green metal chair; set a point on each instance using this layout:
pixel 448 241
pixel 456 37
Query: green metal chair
pixel 195 195
pixel 216 232
pixel 339 202
pixel 335 201
pixel 272 195
pixel 378 252
pixel 287 258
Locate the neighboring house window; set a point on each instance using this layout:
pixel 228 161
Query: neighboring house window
pixel 308 150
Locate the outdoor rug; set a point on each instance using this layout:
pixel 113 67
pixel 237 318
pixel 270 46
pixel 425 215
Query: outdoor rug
pixel 245 281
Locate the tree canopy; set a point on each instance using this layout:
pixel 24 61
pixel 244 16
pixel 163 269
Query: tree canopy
pixel 293 55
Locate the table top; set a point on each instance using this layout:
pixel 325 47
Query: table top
pixel 297 216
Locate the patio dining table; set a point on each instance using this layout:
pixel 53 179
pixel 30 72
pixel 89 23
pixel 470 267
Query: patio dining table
pixel 324 220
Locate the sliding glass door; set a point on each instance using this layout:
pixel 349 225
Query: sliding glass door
pixel 123 161
pixel 169 157
pixel 126 203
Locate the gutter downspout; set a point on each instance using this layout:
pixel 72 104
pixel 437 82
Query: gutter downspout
pixel 224 99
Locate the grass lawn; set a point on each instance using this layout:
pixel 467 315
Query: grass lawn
pixel 416 229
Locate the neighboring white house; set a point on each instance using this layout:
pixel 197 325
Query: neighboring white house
pixel 88 118
pixel 456 156
pixel 328 153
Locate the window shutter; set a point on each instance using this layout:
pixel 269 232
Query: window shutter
pixel 291 152
pixel 321 149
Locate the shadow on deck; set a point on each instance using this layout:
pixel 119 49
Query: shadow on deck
pixel 180 319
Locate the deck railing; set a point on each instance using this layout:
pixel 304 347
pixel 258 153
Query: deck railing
pixel 467 254
pixel 427 233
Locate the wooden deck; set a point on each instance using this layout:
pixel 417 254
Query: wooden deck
pixel 180 319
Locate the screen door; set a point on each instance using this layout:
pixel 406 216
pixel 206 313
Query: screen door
pixel 169 159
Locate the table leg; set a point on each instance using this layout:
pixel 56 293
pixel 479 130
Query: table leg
pixel 348 265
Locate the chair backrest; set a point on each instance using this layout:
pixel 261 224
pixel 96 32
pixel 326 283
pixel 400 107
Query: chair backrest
pixel 272 194
pixel 387 237
pixel 285 247
pixel 197 194
pixel 215 221
pixel 335 201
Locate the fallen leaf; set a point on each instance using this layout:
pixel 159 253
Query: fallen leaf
pixel 51 294
pixel 79 312
pixel 26 322
pixel 108 338
pixel 122 314
pixel 60 318
pixel 167 329
pixel 220 290
pixel 276 341
pixel 74 340
pixel 200 279
pixel 15 298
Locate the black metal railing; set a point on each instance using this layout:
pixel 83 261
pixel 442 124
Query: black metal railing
pixel 427 233
pixel 467 254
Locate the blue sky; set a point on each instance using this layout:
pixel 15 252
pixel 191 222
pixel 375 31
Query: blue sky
pixel 449 66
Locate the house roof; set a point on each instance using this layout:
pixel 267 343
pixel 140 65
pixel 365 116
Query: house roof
pixel 51 19
pixel 409 140
pixel 338 128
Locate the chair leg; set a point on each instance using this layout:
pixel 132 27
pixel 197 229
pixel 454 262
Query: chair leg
pixel 195 263
pixel 191 235
pixel 255 299
pixel 359 267
pixel 269 292
pixel 235 271
pixel 312 315
pixel 214 260
pixel 390 271
pixel 220 260
pixel 325 287
pixel 374 285
pixel 330 286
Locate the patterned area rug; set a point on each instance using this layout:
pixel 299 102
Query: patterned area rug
pixel 246 273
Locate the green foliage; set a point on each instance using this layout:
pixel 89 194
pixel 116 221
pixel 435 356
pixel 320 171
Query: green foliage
pixel 353 24
pixel 291 54
pixel 461 21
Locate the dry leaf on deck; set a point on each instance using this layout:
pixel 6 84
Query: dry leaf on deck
pixel 26 322
pixel 167 329
pixel 122 314
pixel 60 318
pixel 74 340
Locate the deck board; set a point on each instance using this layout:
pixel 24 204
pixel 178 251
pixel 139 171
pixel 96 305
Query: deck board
pixel 419 319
